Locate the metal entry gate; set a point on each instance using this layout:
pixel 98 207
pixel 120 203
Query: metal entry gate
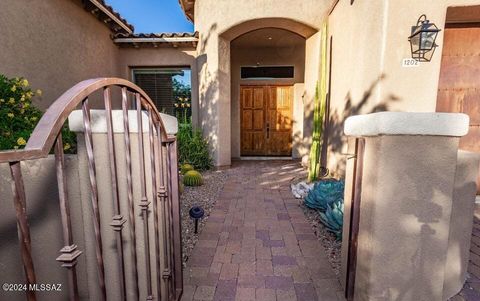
pixel 161 270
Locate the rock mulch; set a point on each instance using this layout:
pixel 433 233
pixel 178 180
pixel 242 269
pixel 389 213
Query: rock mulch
pixel 329 241
pixel 204 196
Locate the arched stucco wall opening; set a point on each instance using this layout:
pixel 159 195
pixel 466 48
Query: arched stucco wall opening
pixel 214 67
pixel 292 25
pixel 229 91
pixel 267 47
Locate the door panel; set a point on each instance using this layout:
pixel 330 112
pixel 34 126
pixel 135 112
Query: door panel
pixel 266 120
pixel 279 121
pixel 459 84
pixel 252 121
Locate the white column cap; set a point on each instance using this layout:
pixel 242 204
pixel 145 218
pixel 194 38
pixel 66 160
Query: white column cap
pixel 407 123
pixel 99 121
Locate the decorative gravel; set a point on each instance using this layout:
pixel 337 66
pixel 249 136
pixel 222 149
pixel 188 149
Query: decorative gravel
pixel 331 245
pixel 329 241
pixel 203 196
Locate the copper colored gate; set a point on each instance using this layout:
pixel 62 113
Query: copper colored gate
pixel 163 267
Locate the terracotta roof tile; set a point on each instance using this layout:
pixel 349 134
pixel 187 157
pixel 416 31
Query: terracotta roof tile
pixel 92 6
pixel 174 39
pixel 188 7
pixel 158 35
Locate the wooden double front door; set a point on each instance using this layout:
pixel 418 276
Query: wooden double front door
pixel 266 120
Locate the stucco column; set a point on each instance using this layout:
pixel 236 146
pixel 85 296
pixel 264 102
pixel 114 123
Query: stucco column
pixel 408 181
pixel 214 96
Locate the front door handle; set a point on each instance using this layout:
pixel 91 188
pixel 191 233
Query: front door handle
pixel 268 130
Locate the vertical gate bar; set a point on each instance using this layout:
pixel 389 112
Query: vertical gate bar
pixel 355 219
pixel 163 193
pixel 69 252
pixel 131 209
pixel 23 228
pixel 117 221
pixel 170 218
pixel 94 197
pixel 144 203
pixel 176 222
pixel 151 138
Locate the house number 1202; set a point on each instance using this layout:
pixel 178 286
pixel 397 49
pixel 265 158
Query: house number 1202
pixel 410 63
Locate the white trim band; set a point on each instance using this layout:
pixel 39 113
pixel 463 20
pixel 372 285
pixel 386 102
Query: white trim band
pixel 99 121
pixel 407 123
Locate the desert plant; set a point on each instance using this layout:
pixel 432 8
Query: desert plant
pixel 19 116
pixel 182 95
pixel 193 148
pixel 314 169
pixel 332 218
pixel 325 193
pixel 186 167
pixel 192 178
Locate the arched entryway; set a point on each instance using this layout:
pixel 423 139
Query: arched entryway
pixel 267 80
pixel 266 69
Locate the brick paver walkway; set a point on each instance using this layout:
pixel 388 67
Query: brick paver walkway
pixel 257 244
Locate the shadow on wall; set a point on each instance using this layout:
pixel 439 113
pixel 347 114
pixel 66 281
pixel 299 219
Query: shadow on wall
pixel 45 226
pixel 208 94
pixel 336 139
pixel 208 88
pixel 420 221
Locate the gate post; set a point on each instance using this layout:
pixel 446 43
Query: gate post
pixel 408 170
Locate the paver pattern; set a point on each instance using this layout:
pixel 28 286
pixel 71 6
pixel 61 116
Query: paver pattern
pixel 257 244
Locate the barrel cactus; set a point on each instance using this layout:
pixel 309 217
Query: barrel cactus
pixel 185 167
pixel 192 178
pixel 333 218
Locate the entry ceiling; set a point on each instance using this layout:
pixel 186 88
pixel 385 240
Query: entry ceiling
pixel 268 37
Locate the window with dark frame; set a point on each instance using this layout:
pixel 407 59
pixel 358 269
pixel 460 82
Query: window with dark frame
pixel 168 88
pixel 267 72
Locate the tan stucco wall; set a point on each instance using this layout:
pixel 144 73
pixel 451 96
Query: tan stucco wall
pixel 130 58
pixel 405 220
pixel 54 44
pixel 369 76
pixel 266 57
pixel 218 23
pixel 461 223
pixel 106 212
pixel 45 227
pixel 421 251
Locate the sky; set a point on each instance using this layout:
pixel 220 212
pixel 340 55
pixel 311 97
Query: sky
pixel 153 16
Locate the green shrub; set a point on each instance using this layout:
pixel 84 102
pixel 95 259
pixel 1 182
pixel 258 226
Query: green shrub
pixel 193 148
pixel 192 178
pixel 18 115
pixel 185 167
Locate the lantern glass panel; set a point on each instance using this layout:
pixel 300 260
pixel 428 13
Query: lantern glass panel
pixel 415 41
pixel 427 40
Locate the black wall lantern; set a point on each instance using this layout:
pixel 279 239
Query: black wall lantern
pixel 422 40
